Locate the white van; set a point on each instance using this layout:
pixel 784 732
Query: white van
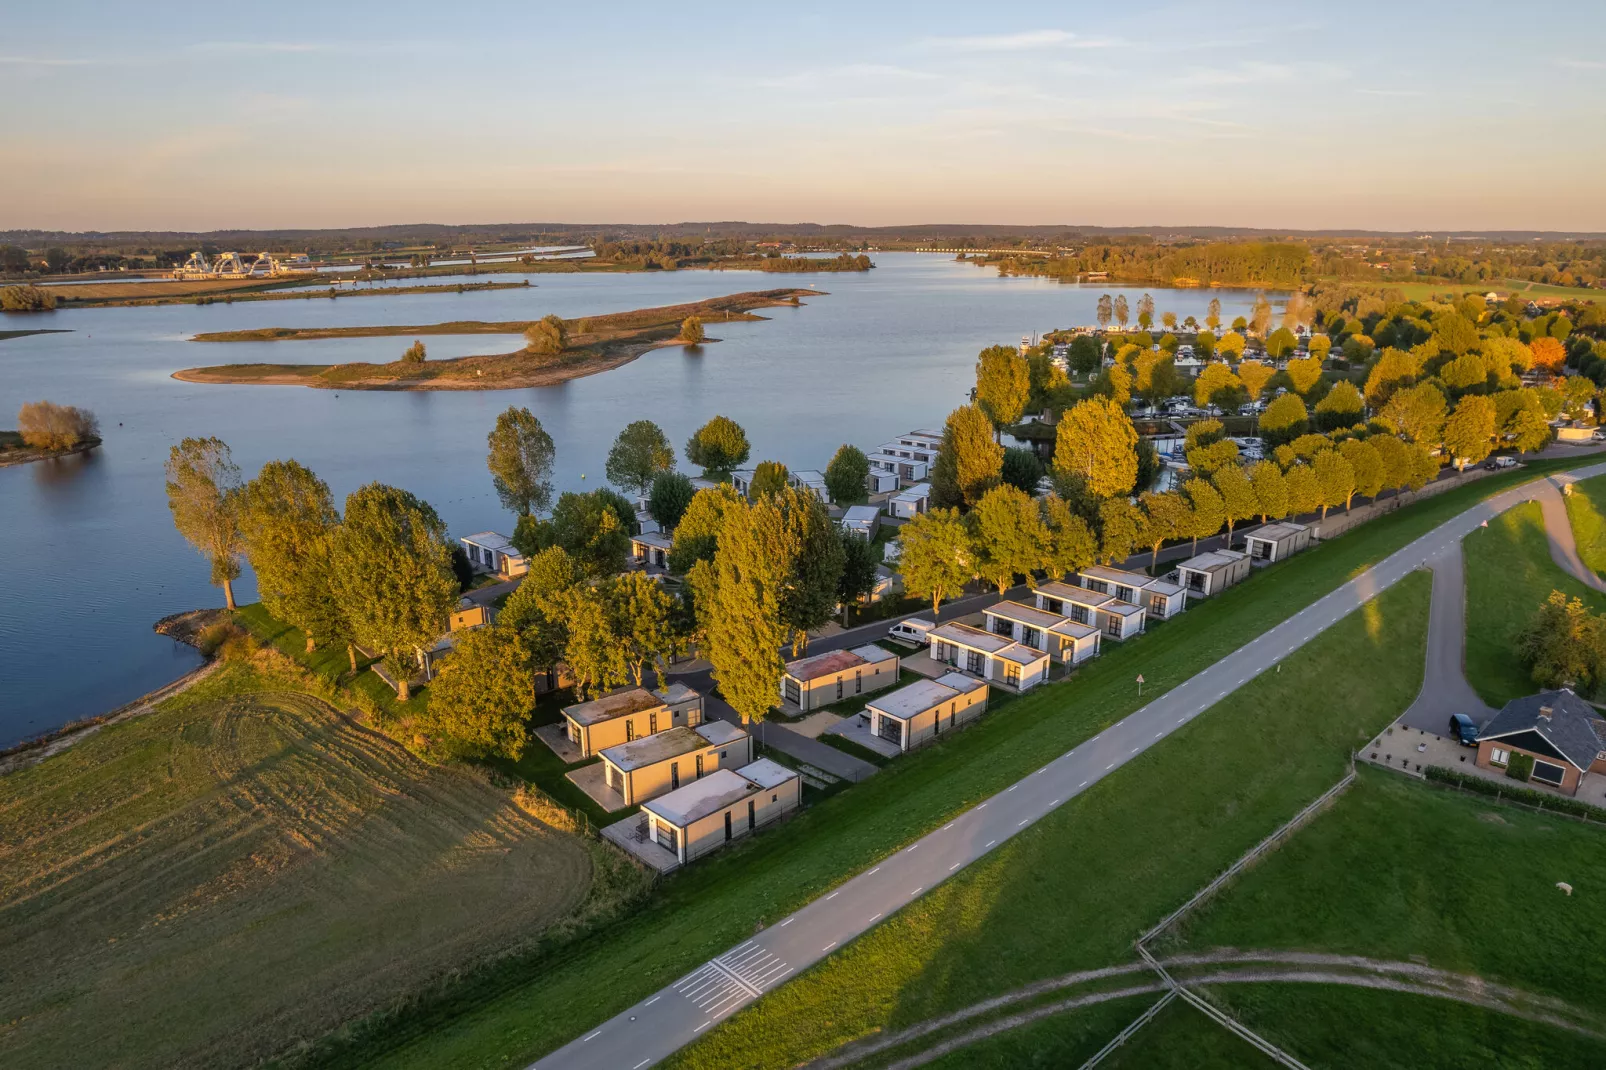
pixel 914 631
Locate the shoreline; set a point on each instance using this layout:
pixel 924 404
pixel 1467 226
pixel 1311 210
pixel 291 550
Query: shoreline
pixel 27 455
pixel 596 344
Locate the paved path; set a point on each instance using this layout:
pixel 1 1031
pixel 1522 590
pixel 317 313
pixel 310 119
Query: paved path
pixel 678 1014
pixel 1445 690
pixel 1559 530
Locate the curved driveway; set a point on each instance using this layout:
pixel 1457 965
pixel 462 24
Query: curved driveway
pixel 678 1014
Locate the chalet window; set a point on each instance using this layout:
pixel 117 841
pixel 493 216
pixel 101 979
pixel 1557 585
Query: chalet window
pixel 699 766
pixel 858 682
pixel 1499 756
pixel 1011 674
pixel 1548 773
pixel 652 724
pixel 839 687
pixel 1032 638
pixel 792 694
pixel 974 662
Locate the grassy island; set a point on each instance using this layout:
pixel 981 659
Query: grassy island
pixel 592 344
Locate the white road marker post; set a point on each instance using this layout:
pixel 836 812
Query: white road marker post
pixel 1140 685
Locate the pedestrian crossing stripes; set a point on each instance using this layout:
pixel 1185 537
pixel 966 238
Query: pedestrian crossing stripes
pixel 727 982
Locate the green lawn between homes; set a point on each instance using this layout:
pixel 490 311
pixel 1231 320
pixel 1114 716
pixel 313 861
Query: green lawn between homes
pixel 1401 870
pixel 1509 574
pixel 1073 891
pixel 506 1014
pixel 1584 509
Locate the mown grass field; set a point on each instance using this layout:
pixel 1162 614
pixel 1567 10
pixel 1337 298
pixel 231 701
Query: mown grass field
pixel 244 869
pixel 1509 574
pixel 1401 870
pixel 709 907
pixel 1074 890
pixel 1586 509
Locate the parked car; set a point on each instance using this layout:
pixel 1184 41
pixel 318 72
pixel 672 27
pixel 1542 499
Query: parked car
pixel 1497 463
pixel 914 631
pixel 1464 729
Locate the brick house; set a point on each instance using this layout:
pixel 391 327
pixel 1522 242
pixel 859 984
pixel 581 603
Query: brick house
pixel 1564 735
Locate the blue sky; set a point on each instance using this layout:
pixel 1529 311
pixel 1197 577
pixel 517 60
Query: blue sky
pixel 1393 116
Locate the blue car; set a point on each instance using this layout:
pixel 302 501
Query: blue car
pixel 1464 729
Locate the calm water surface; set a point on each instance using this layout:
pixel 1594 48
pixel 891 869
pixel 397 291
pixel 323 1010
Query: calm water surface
pixel 88 555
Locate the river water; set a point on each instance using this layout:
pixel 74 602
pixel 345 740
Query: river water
pixel 88 555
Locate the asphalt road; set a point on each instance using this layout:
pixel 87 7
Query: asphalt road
pixel 676 1015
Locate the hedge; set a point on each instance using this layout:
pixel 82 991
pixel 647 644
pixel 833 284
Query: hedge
pixel 1525 796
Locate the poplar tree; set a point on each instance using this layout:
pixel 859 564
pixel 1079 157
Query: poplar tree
pixel 643 623
pixel 1334 478
pixel 391 568
pixel 1008 536
pixel 743 612
pixel 1303 489
pixel 1096 441
pixel 697 534
pixel 1169 517
pixel 937 557
pixel 1213 316
pixel 968 462
pixel 1122 529
pixel 847 475
pixel 1071 544
pixel 520 455
pixel 1237 495
pixel 202 492
pixel 1367 466
pixel 286 517
pixel 813 569
pixel 1003 385
pixel 1105 309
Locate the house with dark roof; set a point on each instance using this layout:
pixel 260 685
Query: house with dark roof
pixel 1564 737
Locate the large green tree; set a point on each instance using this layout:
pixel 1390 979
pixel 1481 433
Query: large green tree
pixel 1096 440
pixel 744 630
pixel 1169 517
pixel 286 517
pixel 532 612
pixel 391 568
pixel 936 561
pixel 769 478
pixel 1071 544
pixel 594 528
pixel 719 446
pixel 1469 431
pixel 813 565
pixel 480 699
pixel 697 534
pixel 1209 509
pixel 860 560
pixel 520 458
pixel 644 623
pixel 596 657
pixel 203 485
pixel 1003 385
pixel 670 497
pixel 847 476
pixel 1417 412
pixel 640 453
pixel 1123 528
pixel 968 461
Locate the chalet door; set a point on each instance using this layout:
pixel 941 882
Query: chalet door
pixel 752 816
pixel 974 662
pixel 674 775
pixel 727 826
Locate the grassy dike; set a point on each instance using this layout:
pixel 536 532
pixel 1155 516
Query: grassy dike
pixel 510 1012
pixel 1584 510
pixel 1074 890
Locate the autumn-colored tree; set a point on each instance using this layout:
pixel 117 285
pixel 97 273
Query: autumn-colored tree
pixel 548 336
pixel 391 568
pixel 1367 466
pixel 1104 310
pixel 1003 385
pixel 1208 460
pixel 1254 376
pixel 1238 500
pixel 1121 313
pixel 1146 312
pixel 1123 528
pixel 640 453
pixel 937 558
pixel 1096 440
pixel 286 516
pixel 1304 373
pixel 480 699
pixel 1395 456
pixel 1320 345
pixel 1284 420
pixel 1071 544
pixel 520 455
pixel 1469 431
pixel 415 353
pixel 1230 346
pixel 1335 479
pixel 1342 407
pixel 1167 517
pixel 718 447
pixel 1453 333
pixel 44 425
pixel 1417 412
pixel 1394 368
pixel 968 461
pixel 769 478
pixel 202 492
pixel 1213 316
pixel 1302 489
pixel 1214 380
pixel 1271 490
pixel 1209 510
pixel 1008 536
pixel 1548 354
pixel 1280 343
pixel 691 330
pixel 1118 379
pixel 1465 372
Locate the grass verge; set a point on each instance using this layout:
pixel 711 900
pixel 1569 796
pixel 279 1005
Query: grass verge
pixel 1588 521
pixel 1509 574
pixel 1074 890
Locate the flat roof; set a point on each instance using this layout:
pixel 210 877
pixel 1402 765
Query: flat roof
pixel 619 703
pixel 1022 655
pixel 658 747
pixel 1275 531
pixel 1118 575
pixel 834 661
pixel 1073 629
pixel 861 512
pixel 719 733
pixel 1024 614
pixel 961 682
pixel 490 540
pixel 654 539
pixel 919 490
pixel 917 698
pixel 702 797
pixel 766 774
pixel 808 475
pixel 678 692
pixel 1165 587
pixel 1070 592
pixel 1211 560
pixel 965 635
